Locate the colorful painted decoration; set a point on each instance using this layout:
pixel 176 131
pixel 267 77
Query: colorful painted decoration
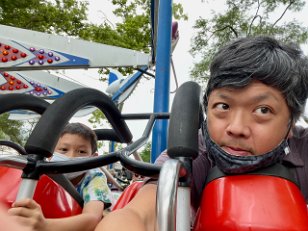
pixel 10 54
pixel 14 54
pixel 16 83
pixel 42 57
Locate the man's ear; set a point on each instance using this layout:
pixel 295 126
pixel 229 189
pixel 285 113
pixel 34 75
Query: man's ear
pixel 95 154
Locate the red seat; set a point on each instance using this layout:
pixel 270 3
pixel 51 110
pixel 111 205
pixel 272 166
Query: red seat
pixel 54 200
pixel 252 202
pixel 127 195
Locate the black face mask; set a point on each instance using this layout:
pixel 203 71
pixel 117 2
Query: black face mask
pixel 231 164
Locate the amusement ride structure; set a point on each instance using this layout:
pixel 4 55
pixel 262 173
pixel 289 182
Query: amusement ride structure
pixel 229 202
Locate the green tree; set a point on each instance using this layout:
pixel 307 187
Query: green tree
pixel 244 18
pixel 58 16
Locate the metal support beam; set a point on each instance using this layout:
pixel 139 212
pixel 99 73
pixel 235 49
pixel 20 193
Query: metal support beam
pixel 162 80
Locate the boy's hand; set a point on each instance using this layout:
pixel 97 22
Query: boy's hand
pixel 28 213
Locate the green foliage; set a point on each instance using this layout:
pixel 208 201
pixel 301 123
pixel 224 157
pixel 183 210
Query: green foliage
pixel 10 129
pixel 97 117
pixel 58 16
pixel 244 18
pixel 146 153
pixel 178 11
pixel 133 31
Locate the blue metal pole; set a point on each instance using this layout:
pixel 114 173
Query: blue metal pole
pixel 162 79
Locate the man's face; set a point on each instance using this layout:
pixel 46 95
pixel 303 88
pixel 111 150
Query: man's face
pixel 247 121
pixel 73 145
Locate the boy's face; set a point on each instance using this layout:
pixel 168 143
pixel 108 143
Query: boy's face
pixel 73 145
pixel 247 121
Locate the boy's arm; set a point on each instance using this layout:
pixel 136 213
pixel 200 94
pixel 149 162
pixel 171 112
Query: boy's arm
pixel 138 215
pixel 29 214
pixel 91 215
pixel 8 223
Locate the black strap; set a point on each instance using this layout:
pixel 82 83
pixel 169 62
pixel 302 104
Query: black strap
pixel 277 170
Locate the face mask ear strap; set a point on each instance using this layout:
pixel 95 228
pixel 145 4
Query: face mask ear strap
pixel 203 127
pixel 287 149
pixel 289 127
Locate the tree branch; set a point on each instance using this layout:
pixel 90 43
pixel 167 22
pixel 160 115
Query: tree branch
pixel 221 29
pixel 291 2
pixel 256 15
pixel 230 27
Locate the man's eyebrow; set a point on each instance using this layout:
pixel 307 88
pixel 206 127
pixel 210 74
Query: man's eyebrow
pixel 265 96
pixel 257 98
pixel 223 96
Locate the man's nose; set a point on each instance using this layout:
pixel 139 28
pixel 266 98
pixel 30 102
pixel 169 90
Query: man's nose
pixel 238 125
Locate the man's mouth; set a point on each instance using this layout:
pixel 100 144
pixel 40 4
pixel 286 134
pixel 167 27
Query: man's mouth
pixel 236 151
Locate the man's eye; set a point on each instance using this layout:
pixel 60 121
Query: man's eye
pixel 263 110
pixel 222 106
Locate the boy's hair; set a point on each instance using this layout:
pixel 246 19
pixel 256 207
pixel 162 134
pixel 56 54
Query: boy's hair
pixel 262 58
pixel 83 131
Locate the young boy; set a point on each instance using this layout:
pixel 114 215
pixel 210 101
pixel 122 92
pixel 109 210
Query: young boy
pixel 76 141
pixel 256 92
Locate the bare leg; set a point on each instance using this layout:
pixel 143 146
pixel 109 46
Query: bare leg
pixel 138 215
